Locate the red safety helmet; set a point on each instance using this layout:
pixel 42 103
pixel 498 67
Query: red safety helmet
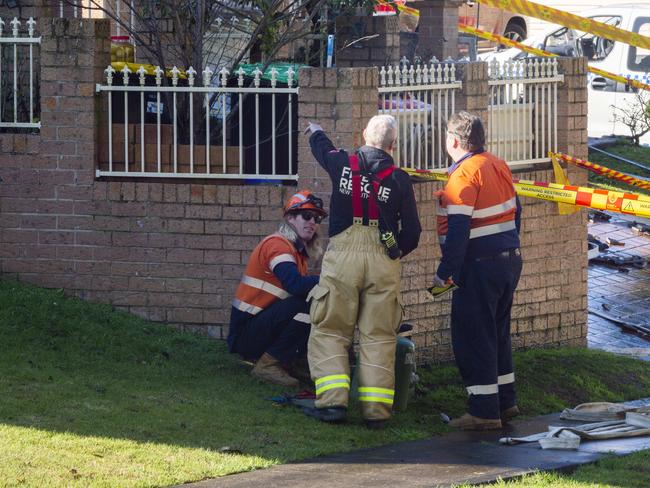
pixel 304 200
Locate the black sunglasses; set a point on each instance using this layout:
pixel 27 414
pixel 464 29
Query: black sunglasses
pixel 307 215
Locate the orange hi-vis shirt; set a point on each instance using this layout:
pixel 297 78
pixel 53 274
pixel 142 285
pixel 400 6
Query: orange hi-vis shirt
pixel 259 287
pixel 476 211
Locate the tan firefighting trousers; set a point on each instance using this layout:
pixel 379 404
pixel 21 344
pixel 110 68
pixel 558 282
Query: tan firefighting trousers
pixel 359 284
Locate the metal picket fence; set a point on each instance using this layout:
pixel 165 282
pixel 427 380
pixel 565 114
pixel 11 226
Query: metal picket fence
pixel 421 98
pixel 228 131
pixel 19 93
pixel 522 109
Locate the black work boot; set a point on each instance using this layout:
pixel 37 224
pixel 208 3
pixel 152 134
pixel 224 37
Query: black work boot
pixel 376 424
pixel 333 415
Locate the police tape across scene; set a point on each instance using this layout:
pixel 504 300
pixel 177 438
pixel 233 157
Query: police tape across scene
pixel 614 201
pixel 604 171
pixel 572 21
pixel 540 52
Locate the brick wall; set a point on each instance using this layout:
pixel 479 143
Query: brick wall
pixel 438 31
pixel 175 251
pixel 551 301
pixel 167 251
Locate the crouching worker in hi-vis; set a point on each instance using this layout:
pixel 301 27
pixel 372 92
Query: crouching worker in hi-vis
pixel 269 320
pixel 373 223
pixel 478 226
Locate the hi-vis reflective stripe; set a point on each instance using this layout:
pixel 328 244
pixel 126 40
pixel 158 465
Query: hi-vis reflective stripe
pixel 540 52
pixel 265 286
pixel 246 307
pixel 488 230
pixel 615 201
pixel 495 209
pixel 506 379
pixel 572 21
pixel 483 389
pixel 332 381
pixel 460 209
pixel 375 394
pixel 603 170
pixel 282 258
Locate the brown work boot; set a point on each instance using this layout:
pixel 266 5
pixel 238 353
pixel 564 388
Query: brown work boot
pixel 469 422
pixel 509 413
pixel 269 369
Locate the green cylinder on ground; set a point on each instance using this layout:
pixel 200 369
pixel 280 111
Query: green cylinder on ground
pixel 404 374
pixel 404 371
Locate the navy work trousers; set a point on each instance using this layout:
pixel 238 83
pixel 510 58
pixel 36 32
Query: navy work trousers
pixel 480 331
pixel 281 330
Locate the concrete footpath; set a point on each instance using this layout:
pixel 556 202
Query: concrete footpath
pixel 446 460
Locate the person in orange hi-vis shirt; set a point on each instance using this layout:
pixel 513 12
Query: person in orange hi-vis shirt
pixel 269 320
pixel 478 228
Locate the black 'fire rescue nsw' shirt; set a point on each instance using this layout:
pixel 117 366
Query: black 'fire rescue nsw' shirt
pixel 396 201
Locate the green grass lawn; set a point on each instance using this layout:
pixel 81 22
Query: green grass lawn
pixel 626 150
pixel 90 396
pixel 631 471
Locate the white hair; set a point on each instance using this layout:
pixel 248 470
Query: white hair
pixel 381 131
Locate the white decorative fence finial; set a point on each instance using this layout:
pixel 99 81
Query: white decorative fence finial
pixel 159 74
pixel 191 73
pixel 109 74
pixel 30 26
pixel 240 77
pixel 223 73
pixel 2 24
pixel 258 74
pixel 14 26
pixel 207 76
pixel 175 73
pixel 141 74
pixel 290 75
pixel 125 71
pixel 274 77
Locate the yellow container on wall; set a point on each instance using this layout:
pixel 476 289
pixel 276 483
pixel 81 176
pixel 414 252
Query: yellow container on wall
pixel 122 50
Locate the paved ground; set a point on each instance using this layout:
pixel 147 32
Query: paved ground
pixel 623 295
pixel 442 461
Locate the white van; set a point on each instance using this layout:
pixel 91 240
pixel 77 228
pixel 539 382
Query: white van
pixel 615 57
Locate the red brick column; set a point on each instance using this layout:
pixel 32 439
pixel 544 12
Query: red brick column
pixel 438 29
pixel 341 100
pixel 474 94
pixel 352 50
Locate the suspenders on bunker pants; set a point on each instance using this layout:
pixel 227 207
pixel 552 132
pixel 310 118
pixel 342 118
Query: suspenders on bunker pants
pixel 359 284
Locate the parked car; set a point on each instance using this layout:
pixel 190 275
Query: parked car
pixel 494 20
pixel 613 56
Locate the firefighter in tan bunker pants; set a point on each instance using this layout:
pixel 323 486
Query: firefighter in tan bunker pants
pixel 373 223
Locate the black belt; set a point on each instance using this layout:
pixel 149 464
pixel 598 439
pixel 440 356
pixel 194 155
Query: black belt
pixel 510 253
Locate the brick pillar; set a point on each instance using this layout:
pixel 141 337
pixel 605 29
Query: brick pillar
pixel 382 50
pixel 341 100
pixel 438 29
pixel 74 54
pixel 474 94
pixel 572 107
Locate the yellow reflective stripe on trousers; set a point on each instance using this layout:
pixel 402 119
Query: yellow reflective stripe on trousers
pixel 332 381
pixel 375 394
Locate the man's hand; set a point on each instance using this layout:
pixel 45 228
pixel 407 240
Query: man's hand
pixel 437 281
pixel 312 127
